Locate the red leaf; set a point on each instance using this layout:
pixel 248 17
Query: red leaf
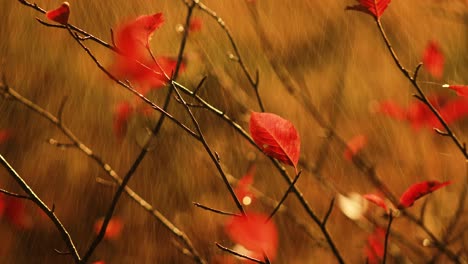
pixel 461 90
pixel 391 109
pixel 242 189
pixel 122 113
pixel 377 200
pixel 60 14
pixel 433 59
pixel 5 134
pixel 277 137
pixel 135 63
pixel 418 190
pixel 132 38
pixel 354 146
pixel 254 233
pixel 375 246
pixel 452 111
pixel 99 262
pixel 372 7
pixel 2 204
pixel 114 228
pixel 195 25
pixel 15 212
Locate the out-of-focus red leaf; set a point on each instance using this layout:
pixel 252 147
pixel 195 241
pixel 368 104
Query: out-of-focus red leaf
pixel 354 145
pixel 5 134
pixel 392 110
pixel 60 14
pixel 254 233
pixel 122 113
pixel 2 204
pixel 277 137
pixel 15 212
pixel 114 228
pixel 418 190
pixel 461 90
pixel 377 200
pixel 419 114
pixel 433 59
pixel 452 111
pixel 195 25
pixel 242 190
pixel 99 262
pixel 374 8
pixel 375 246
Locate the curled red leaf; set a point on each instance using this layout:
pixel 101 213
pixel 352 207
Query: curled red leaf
pixel 377 200
pixel 253 232
pixel 122 114
pixel 276 136
pixel 60 14
pixel 433 59
pixel 114 228
pixel 132 38
pixel 375 8
pixel 354 145
pixel 418 190
pixel 134 61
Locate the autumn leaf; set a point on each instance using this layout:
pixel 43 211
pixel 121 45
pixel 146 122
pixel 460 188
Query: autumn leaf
pixel 451 112
pixel 60 14
pixel 375 8
pixel 15 212
pixel 5 135
pixel 242 189
pixel 277 137
pixel 377 200
pixel 195 25
pixel 122 114
pixel 391 109
pixel 461 90
pixel 418 190
pixel 375 247
pixel 134 61
pixel 354 145
pixel 253 232
pixel 433 59
pixel 132 38
pixel 114 228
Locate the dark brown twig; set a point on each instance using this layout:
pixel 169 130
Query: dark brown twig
pixel 16 195
pixel 284 196
pixel 214 210
pixel 238 254
pixel 50 213
pixel 387 235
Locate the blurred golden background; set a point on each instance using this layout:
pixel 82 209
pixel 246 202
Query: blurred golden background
pixel 337 57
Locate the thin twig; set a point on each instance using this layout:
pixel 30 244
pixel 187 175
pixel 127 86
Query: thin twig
pixel 387 235
pixel 50 213
pixel 238 254
pixel 252 80
pixel 214 210
pixel 109 171
pixel 16 195
pixel 284 196
pixel 329 211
